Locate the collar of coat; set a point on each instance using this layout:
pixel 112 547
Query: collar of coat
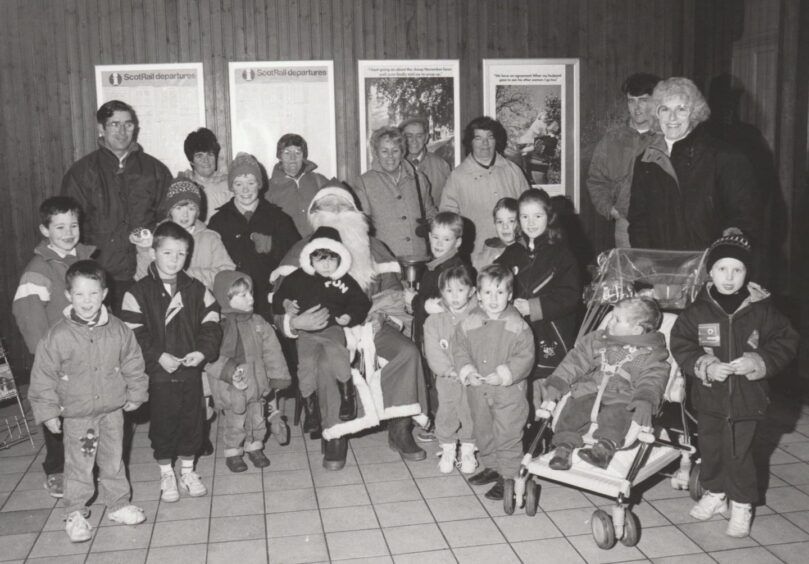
pixel 103 319
pixel 278 173
pixel 757 294
pixel 510 317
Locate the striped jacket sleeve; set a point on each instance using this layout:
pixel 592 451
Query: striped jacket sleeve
pixel 30 301
pixel 133 314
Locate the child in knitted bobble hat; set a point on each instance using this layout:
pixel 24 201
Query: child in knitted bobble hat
pixel 728 342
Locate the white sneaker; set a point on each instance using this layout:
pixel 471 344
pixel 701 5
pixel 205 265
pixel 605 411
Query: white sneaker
pixel 191 483
pixel 77 527
pixel 168 487
pixel 740 516
pixel 468 462
pixel 128 515
pixel 711 504
pixel 447 462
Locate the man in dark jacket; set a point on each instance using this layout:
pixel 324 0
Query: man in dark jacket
pixel 120 189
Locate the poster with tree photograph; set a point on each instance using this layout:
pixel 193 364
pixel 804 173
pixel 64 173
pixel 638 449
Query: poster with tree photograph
pixel 537 101
pixel 393 91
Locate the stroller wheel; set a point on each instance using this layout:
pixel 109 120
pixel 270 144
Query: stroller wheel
pixel 602 529
pixel 631 529
pixel 508 496
pixel 532 490
pixel 694 484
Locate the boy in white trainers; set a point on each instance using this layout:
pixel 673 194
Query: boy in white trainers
pixel 453 420
pixel 728 341
pixel 89 370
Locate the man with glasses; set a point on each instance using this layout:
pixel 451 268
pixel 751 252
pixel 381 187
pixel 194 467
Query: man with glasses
pixel 120 189
pixel 610 176
pixel 416 132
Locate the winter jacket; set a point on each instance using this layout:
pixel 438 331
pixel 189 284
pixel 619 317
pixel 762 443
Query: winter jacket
pixel 209 256
pixel 503 346
pixel 686 201
pixel 548 277
pixel 492 249
pixel 215 188
pixel 439 330
pixel 610 177
pixel 394 208
pixel 636 366
pixel 704 334
pixel 40 300
pixel 293 195
pixel 117 197
pixel 236 230
pixel 472 191
pixel 186 322
pixel 428 288
pixel 85 371
pixel 436 169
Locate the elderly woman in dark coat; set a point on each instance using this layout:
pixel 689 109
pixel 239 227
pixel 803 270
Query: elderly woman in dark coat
pixel 688 188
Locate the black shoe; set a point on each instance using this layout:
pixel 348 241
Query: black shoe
pixel 334 453
pixel 495 493
pixel 311 409
pixel 600 455
pixel 562 458
pixel 348 403
pixel 235 464
pixel 485 476
pixel 258 458
pixel 400 439
pixel 207 448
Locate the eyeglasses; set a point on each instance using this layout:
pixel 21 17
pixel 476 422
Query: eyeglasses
pixel 680 112
pixel 200 156
pixel 117 125
pixel 290 153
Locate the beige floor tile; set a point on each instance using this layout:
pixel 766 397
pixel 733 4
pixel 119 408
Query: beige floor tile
pixel 141 455
pixel 794 553
pixel 799 450
pixel 118 557
pixel 710 535
pixel 285 461
pixel 281 501
pixel 243 552
pixel 753 555
pixel 17 546
pixel 414 538
pixel 786 499
pixel 658 542
pixel 15 465
pixel 242 527
pixel 427 468
pixel 356 544
pixel 172 533
pixel 56 543
pixel 294 550
pixel 369 560
pixel 34 479
pixel 572 521
pixel 349 518
pixel 547 550
pixel 20 522
pixel 775 529
pixel 799 518
pixel 796 474
pixel 237 483
pixel 346 476
pixel 659 490
pixel 30 499
pixel 780 456
pixel 174 554
pixel 456 508
pixel 287 480
pixel 403 513
pixel 294 524
pixel 399 490
pixel 500 553
pixel 676 510
pixel 554 499
pixel 145 472
pixel 72 559
pixel 372 455
pixel 385 471
pixel 444 486
pixel 700 558
pixel 186 508
pixel 237 504
pixel 431 557
pixel 472 532
pixel 130 537
pixel 586 546
pixel 520 527
pixel 9 481
pixel 145 491
pixel 342 496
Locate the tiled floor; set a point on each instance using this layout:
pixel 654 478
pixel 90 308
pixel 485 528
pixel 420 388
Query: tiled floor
pixel 382 509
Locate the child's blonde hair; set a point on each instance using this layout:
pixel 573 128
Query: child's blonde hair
pixel 643 311
pixel 497 274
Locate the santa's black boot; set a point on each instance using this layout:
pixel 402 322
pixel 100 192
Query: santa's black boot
pixel 400 439
pixel 334 453
pixel 311 410
pixel 348 403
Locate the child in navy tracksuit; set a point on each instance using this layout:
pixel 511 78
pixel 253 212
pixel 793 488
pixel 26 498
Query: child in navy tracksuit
pixel 727 343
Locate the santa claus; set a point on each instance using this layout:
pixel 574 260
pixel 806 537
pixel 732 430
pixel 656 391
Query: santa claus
pixel 396 392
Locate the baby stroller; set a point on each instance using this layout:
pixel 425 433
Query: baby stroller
pixel 673 278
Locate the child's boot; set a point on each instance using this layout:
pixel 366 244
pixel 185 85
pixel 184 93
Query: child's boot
pixel 258 458
pixel 562 457
pixel 348 403
pixel 468 461
pixel 709 505
pixel 311 409
pixel 600 455
pixel 740 516
pixel 447 462
pixel 235 463
pixel 278 425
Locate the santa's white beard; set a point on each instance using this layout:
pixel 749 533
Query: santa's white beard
pixel 353 229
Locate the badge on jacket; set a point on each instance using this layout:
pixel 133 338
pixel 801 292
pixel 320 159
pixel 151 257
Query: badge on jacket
pixel 709 335
pixel 752 340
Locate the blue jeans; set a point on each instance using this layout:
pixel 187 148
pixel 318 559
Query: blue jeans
pixel 83 453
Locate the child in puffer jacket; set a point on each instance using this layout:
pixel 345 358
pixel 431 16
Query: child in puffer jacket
pixel 249 367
